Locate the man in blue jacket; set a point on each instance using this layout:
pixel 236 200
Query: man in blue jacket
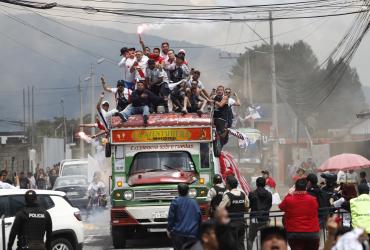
pixel 184 218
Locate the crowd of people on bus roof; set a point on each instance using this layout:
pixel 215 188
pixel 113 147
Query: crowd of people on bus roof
pixel 159 80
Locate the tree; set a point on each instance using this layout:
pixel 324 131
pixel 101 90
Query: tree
pixel 303 84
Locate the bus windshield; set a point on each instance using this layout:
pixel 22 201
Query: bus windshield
pixel 161 161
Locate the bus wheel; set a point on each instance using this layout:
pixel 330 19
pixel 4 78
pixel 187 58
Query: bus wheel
pixel 118 237
pixel 217 147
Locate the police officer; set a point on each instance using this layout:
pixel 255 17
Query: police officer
pixel 30 225
pixel 236 203
pixel 360 208
pixel 215 194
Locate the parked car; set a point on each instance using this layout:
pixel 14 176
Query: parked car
pixel 68 231
pixel 75 187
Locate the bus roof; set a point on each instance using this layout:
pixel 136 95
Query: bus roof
pixel 164 120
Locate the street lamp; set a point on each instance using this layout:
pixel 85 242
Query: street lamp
pixel 86 79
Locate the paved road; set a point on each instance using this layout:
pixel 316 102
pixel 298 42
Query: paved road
pixel 97 236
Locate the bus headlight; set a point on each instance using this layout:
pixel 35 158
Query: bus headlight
pixel 128 195
pixel 192 193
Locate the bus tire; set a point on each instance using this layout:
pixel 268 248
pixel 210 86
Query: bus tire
pixel 118 237
pixel 217 147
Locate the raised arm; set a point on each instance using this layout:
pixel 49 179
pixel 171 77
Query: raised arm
pixel 223 102
pixel 104 84
pixel 142 45
pixel 100 101
pixel 237 100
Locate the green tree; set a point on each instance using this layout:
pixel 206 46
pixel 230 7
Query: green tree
pixel 303 84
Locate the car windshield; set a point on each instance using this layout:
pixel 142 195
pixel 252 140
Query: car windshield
pixel 74 169
pixel 71 181
pixel 161 161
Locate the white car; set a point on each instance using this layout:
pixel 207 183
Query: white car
pixel 68 233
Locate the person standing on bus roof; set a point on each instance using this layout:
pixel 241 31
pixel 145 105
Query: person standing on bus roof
pixel 184 218
pixel 121 93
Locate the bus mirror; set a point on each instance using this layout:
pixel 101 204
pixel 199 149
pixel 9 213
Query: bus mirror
pixel 108 150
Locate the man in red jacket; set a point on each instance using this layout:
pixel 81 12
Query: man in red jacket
pixel 301 219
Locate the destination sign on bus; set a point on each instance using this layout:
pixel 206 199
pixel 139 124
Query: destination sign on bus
pixel 161 135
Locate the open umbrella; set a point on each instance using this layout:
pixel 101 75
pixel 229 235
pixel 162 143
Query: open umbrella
pixel 344 162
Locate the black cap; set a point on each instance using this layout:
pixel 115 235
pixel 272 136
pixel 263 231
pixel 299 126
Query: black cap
pixel 180 57
pixel 123 51
pixel 30 196
pixel 120 83
pixel 151 62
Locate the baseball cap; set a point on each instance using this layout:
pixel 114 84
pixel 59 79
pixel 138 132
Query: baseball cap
pixel 182 51
pixel 180 56
pixel 105 103
pixel 120 83
pixel 123 51
pixel 30 196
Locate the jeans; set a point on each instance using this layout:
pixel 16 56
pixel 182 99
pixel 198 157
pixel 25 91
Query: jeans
pixel 252 233
pixel 131 110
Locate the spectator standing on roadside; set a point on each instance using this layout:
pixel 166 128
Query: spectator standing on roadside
pixel 300 174
pixel 321 197
pixel 274 238
pixel 363 177
pixel 236 203
pixel 360 208
pixel 53 177
pixel 4 175
pixel 184 218
pixel 32 180
pixel 24 182
pixel 301 219
pixel 270 182
pixel 260 202
pixel 41 180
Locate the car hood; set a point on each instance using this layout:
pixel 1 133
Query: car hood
pixel 161 177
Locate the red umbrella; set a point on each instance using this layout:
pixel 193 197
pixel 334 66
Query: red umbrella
pixel 344 162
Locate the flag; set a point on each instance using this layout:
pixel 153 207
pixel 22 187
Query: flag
pixel 244 141
pixel 254 113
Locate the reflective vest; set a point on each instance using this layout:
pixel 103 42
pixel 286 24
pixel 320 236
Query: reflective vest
pixel 360 212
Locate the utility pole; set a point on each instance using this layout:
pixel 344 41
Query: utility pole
pixel 24 111
pixel 64 126
pixel 82 143
pixel 275 131
pixel 33 118
pixel 92 103
pixel 29 113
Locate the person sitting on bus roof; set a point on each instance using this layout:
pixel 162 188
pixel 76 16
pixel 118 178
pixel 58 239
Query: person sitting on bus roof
pixel 141 98
pixel 121 93
pixel 195 75
pixel 194 101
pixel 104 112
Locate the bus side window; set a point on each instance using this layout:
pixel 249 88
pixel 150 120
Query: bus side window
pixel 204 155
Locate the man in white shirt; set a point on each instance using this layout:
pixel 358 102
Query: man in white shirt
pixel 195 75
pixel 121 94
pixel 164 50
pixel 103 108
pixel 170 62
pixel 3 184
pixel 231 103
pixel 127 63
pixel 140 65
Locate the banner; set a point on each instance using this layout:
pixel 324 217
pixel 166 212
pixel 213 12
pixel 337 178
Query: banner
pixel 158 135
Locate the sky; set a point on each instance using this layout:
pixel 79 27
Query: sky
pixel 322 34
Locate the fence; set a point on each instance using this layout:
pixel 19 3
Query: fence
pixel 276 217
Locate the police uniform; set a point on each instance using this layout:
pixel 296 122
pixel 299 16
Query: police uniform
pixel 30 225
pixel 236 202
pixel 215 196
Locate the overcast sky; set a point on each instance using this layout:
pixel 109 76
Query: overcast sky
pixel 322 34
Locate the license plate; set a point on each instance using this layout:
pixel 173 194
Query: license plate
pixel 72 193
pixel 160 215
pixel 157 230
